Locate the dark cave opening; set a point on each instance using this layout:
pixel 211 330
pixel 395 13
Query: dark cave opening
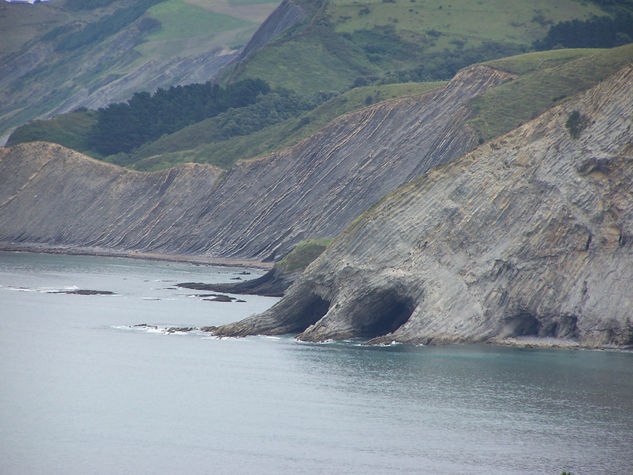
pixel 309 311
pixel 527 324
pixel 382 313
pixel 521 324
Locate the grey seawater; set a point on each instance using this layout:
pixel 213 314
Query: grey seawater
pixel 81 392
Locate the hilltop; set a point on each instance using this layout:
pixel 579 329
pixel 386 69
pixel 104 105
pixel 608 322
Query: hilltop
pixel 345 43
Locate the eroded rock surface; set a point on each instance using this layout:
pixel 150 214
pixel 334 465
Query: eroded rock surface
pixel 260 209
pixel 528 236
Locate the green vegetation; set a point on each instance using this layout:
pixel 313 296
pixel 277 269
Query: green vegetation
pixel 597 32
pixel 86 4
pixel 70 130
pixel 123 127
pixel 576 123
pixel 176 148
pixel 350 42
pixel 302 255
pixel 181 20
pixel 102 28
pixel 346 55
pixel 539 87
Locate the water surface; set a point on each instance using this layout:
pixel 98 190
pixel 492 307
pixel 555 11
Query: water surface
pixel 83 392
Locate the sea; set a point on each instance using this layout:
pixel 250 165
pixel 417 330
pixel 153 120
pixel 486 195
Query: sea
pixel 85 390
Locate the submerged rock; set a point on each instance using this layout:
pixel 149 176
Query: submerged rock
pixel 85 292
pixel 272 284
pixel 527 238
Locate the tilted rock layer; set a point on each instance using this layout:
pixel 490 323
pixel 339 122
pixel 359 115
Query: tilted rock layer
pixel 260 209
pixel 528 236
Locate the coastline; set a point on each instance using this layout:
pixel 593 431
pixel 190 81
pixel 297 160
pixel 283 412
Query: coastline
pixel 101 252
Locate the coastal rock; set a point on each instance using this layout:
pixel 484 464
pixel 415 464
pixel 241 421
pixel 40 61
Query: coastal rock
pixel 86 292
pixel 260 209
pixel 272 284
pixel 529 236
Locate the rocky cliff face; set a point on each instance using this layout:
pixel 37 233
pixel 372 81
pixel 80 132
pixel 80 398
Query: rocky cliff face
pixel 286 15
pixel 527 238
pixel 260 209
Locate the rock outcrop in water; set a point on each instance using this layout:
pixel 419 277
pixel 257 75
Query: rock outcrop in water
pixel 260 209
pixel 529 237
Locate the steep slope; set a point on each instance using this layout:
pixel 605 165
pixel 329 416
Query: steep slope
pixel 60 197
pixel 260 208
pixel 529 236
pixel 59 58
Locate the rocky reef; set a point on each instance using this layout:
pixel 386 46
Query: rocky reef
pixel 259 209
pixel 527 238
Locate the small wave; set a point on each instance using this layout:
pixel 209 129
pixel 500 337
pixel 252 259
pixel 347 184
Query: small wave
pixel 22 289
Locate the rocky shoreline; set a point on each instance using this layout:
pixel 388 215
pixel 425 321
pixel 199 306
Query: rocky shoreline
pixel 528 240
pixel 101 252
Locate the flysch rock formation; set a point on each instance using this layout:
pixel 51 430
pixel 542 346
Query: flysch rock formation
pixel 260 209
pixel 529 238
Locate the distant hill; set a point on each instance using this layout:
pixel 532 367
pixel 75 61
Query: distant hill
pixel 58 56
pixel 282 119
pixel 343 43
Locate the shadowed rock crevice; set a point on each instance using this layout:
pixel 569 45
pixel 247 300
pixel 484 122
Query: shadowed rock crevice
pixel 309 311
pixel 371 314
pixel 382 313
pixel 564 326
pixel 521 324
pixel 290 316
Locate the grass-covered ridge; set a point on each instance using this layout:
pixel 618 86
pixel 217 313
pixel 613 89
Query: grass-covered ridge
pixel 277 121
pixel 546 79
pixel 70 130
pixel 176 148
pixel 303 254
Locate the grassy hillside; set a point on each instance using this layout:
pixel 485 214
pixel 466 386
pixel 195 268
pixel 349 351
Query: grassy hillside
pixel 353 52
pixel 70 130
pixel 349 42
pixel 203 142
pixel 546 79
pixel 543 79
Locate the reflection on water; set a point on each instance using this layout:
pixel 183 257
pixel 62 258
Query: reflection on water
pixel 82 392
pixel 481 408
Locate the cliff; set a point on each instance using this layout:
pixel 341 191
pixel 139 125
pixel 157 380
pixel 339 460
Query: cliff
pixel 528 238
pixel 260 209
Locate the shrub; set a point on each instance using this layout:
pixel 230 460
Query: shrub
pixel 576 123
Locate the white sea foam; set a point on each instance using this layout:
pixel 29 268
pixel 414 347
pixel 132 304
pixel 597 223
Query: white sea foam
pixel 21 289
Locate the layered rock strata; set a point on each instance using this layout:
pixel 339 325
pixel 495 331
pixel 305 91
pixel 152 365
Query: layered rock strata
pixel 527 238
pixel 260 209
